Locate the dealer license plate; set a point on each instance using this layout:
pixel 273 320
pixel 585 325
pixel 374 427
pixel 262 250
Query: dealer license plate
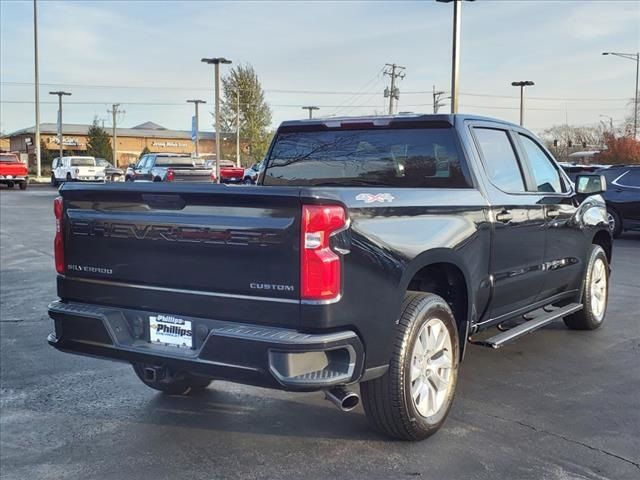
pixel 170 330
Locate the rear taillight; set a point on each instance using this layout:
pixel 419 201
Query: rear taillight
pixel 170 175
pixel 58 242
pixel 320 267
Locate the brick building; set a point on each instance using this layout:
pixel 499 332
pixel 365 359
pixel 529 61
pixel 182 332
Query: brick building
pixel 131 141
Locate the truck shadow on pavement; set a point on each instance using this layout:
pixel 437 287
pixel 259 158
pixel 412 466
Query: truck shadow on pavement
pixel 227 411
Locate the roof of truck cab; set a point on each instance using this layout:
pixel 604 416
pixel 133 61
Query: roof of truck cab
pixel 402 117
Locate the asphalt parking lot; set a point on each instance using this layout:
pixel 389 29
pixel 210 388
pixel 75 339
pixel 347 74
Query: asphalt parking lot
pixel 558 404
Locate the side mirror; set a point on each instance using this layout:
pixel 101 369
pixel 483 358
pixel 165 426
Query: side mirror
pixel 590 184
pixel 132 165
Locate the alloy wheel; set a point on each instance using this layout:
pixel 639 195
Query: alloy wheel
pixel 431 367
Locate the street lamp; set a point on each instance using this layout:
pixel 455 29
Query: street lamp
pixel 216 62
pixel 311 108
pixel 522 84
pixel 455 56
pixel 197 125
pixel 636 58
pixel 60 94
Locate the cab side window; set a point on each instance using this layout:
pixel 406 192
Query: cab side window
pixel 500 159
pixel 545 173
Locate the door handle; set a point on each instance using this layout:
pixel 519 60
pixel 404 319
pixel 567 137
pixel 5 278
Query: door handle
pixel 553 213
pixel 504 216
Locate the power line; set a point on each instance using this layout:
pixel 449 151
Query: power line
pixel 318 92
pixel 298 105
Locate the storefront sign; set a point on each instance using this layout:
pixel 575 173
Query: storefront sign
pixel 168 144
pixel 66 141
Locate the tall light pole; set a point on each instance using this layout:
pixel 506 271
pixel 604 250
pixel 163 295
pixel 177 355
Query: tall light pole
pixel 455 55
pixel 636 58
pixel 114 119
pixel 35 48
pixel 60 94
pixel 216 62
pixel 197 120
pixel 311 108
pixel 522 84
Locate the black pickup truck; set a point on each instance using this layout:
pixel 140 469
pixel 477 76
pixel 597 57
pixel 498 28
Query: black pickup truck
pixel 372 251
pixel 167 167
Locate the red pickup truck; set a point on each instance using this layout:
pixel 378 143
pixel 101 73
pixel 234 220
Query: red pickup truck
pixel 13 171
pixel 229 173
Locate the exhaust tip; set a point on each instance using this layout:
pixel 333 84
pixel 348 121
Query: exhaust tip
pixel 344 399
pixel 350 402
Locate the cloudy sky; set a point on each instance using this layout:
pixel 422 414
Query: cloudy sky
pixel 146 56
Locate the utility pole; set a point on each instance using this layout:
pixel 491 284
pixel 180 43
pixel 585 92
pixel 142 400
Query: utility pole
pixel 197 120
pixel 437 99
pixel 455 55
pixel 114 112
pixel 60 94
pixel 237 127
pixel 311 108
pixel 393 92
pixel 216 62
pixel 636 58
pixel 522 84
pixel 35 46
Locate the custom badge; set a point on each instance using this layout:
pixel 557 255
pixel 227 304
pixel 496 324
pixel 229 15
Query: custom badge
pixel 377 197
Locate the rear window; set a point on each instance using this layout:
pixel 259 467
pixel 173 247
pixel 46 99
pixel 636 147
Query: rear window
pixel 8 157
pixel 417 157
pixel 174 162
pixel 83 162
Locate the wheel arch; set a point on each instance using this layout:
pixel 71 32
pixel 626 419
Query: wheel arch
pixel 603 238
pixel 443 272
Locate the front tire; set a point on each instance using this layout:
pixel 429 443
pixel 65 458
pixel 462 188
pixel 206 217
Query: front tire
pixel 595 293
pixel 173 384
pixel 411 401
pixel 54 180
pixel 23 185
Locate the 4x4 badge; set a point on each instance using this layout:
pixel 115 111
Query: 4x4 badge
pixel 377 197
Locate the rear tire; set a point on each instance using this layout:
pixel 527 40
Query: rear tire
pixel 595 293
pixel 411 401
pixel 615 223
pixel 23 185
pixel 173 384
pixel 69 178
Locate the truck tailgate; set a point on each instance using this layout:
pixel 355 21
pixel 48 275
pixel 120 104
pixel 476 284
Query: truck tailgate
pixel 191 175
pixel 205 240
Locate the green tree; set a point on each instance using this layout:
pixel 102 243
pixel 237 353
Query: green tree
pixel 46 155
pixel 254 111
pixel 99 142
pixel 145 151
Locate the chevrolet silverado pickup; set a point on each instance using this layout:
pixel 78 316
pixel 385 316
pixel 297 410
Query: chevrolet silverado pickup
pixel 168 167
pixel 372 251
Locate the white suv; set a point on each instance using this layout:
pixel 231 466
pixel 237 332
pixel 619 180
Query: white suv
pixel 75 169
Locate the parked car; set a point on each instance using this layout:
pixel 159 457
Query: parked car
pixel 251 174
pixel 573 170
pixel 229 173
pixel 374 251
pixel 75 169
pixel 13 171
pixel 111 173
pixel 161 167
pixel 622 197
